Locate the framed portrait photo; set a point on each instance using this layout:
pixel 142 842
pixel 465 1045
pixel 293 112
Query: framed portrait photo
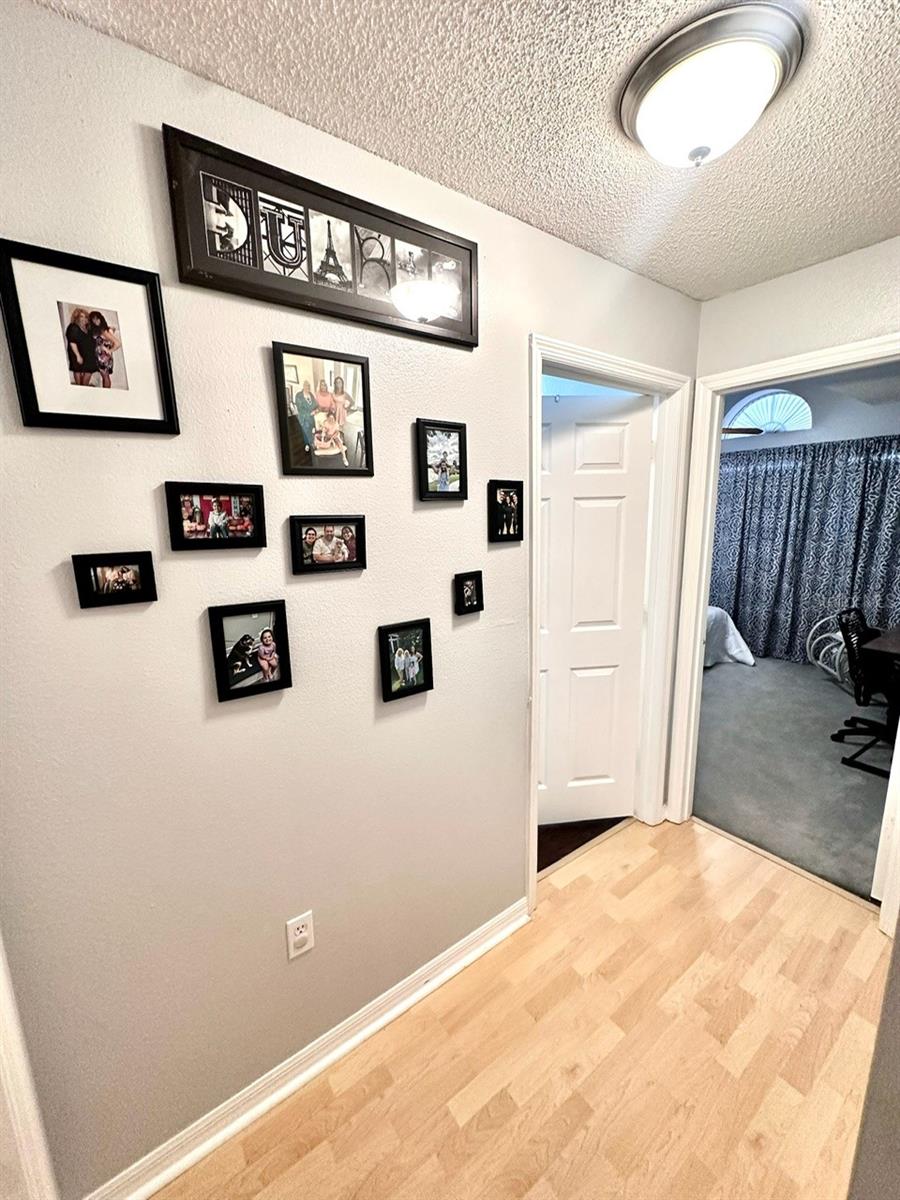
pixel 87 341
pixel 250 227
pixel 505 510
pixel 216 516
pixel 405 654
pixel 441 460
pixel 468 593
pixel 323 411
pixel 106 580
pixel 250 648
pixel 323 544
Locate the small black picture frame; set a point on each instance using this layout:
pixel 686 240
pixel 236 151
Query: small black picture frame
pixel 344 550
pixel 505 510
pixel 441 460
pixel 323 431
pixel 246 661
pixel 468 593
pixel 216 516
pixel 395 644
pixel 130 359
pixel 108 580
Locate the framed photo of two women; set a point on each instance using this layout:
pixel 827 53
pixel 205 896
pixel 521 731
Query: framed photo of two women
pixel 87 340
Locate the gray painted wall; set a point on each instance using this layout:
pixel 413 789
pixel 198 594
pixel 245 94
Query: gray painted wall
pixel 155 841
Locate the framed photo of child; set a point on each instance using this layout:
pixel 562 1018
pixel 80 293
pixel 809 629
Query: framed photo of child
pixel 323 411
pixel 251 654
pixel 441 460
pixel 216 516
pixel 87 340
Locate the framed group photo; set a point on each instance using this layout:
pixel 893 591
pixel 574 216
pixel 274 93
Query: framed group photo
pixel 106 580
pixel 87 341
pixel 441 460
pixel 405 657
pixel 250 648
pixel 215 516
pixel 468 593
pixel 506 510
pixel 246 226
pixel 323 411
pixel 323 544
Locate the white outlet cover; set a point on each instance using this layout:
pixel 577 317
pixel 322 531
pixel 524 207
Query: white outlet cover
pixel 300 934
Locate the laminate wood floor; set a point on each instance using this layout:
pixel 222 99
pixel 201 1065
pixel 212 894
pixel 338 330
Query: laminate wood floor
pixel 682 1020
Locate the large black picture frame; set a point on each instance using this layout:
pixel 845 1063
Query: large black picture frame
pixel 289 465
pixel 20 353
pixel 232 255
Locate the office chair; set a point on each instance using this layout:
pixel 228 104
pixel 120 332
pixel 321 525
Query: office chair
pixel 867 681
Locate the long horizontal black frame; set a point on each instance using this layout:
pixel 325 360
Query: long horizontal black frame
pixel 196 266
pixel 217 615
pixel 279 349
pixel 174 492
pixel 83 564
pixel 299 524
pixel 29 401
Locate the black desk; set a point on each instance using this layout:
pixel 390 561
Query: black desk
pixel 884 654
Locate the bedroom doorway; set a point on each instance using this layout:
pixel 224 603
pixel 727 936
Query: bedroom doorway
pixel 786 530
pixel 606 436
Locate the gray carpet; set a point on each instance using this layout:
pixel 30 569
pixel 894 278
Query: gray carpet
pixel 768 772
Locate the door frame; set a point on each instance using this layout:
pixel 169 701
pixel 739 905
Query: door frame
pixel 699 529
pixel 672 422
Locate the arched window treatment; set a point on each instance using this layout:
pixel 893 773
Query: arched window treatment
pixel 804 531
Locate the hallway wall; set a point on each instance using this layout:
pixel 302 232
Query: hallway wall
pixel 155 841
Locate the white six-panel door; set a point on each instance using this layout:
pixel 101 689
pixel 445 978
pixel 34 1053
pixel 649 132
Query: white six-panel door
pixel 596 455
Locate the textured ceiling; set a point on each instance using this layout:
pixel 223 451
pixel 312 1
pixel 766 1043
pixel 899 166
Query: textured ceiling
pixel 513 102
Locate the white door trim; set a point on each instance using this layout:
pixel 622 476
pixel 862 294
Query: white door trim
pixel 669 483
pixel 698 541
pixel 18 1097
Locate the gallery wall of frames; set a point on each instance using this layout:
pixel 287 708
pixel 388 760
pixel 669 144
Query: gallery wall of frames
pixel 89 347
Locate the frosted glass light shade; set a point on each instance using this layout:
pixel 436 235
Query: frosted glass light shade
pixel 705 104
pixel 423 299
pixel 702 89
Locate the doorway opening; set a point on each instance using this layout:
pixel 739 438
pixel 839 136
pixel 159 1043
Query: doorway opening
pixel 789 646
pixel 608 439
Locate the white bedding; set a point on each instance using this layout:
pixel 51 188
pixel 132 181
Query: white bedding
pixel 723 642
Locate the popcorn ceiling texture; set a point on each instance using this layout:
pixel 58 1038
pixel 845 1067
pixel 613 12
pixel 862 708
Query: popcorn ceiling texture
pixel 513 102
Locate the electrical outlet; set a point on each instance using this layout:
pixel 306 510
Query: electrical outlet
pixel 301 936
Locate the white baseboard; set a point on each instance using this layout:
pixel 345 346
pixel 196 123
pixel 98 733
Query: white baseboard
pixel 169 1160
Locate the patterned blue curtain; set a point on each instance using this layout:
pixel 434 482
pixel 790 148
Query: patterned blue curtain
pixel 804 531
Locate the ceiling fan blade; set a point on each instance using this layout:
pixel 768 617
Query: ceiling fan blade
pixel 741 432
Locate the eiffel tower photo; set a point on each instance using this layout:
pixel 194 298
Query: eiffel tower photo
pixel 330 272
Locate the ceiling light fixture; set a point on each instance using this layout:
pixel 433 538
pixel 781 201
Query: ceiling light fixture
pixel 699 92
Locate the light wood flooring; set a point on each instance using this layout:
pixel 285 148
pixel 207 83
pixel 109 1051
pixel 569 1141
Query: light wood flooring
pixel 682 1020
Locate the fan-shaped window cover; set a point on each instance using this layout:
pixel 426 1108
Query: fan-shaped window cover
pixel 773 411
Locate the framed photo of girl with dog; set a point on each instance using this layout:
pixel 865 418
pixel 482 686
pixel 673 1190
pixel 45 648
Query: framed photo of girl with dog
pixel 251 654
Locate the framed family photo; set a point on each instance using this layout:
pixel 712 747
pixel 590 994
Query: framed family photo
pixel 246 226
pixel 506 510
pixel 405 656
pixel 468 593
pixel 323 544
pixel 323 411
pixel 441 460
pixel 106 580
pixel 250 648
pixel 87 341
pixel 216 516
